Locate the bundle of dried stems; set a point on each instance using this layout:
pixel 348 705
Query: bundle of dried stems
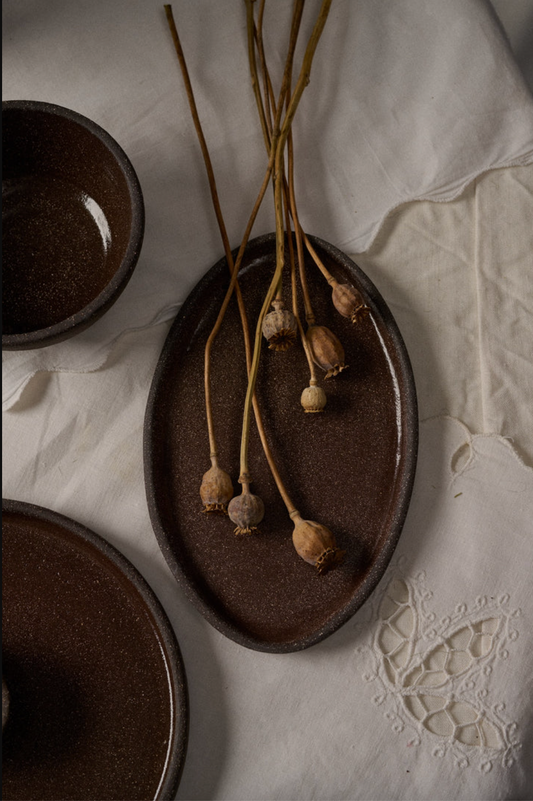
pixel 281 327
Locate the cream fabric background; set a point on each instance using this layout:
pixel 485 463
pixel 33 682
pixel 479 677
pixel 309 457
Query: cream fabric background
pixel 407 100
pixel 326 723
pixel 459 280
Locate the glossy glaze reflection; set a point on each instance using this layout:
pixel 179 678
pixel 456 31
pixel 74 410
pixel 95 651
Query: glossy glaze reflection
pixel 55 242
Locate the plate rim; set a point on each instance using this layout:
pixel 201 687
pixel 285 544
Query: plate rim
pixel 374 576
pixel 165 631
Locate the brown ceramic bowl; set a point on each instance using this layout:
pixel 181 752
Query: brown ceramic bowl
pixel 73 223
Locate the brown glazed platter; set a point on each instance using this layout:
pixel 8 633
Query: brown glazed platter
pixel 72 223
pixel 97 691
pixel 350 468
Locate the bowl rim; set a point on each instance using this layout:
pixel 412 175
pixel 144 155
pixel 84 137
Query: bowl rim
pixel 90 313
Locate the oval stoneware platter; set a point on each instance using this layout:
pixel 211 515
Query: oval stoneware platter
pixel 95 689
pixel 350 468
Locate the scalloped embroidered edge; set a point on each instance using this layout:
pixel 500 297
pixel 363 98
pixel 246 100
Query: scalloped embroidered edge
pixel 471 439
pixel 469 688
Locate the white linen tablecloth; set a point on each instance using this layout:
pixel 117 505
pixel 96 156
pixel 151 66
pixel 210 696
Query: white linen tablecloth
pixel 449 717
pixel 327 723
pixel 408 100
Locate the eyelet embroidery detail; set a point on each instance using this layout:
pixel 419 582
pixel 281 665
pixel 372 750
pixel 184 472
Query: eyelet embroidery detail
pixel 439 691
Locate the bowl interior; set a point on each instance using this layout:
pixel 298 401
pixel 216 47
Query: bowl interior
pixel 67 216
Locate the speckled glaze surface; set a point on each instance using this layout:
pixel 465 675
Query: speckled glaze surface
pixel 98 697
pixel 72 223
pixel 350 468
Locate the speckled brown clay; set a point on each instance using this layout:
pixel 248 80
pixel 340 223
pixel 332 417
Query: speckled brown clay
pixel 5 704
pixel 350 468
pixel 72 220
pixel 97 686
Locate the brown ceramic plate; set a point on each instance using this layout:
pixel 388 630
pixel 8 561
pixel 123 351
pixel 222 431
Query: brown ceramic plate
pixel 350 468
pixel 98 700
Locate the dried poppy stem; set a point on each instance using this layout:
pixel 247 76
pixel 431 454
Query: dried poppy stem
pixel 313 398
pixel 268 92
pixel 233 266
pixel 247 509
pixel 313 542
pixel 234 269
pixel 292 262
pixel 289 186
pixel 309 314
pixel 321 345
pixel 347 299
pixel 253 70
pixel 279 146
pixel 255 33
pixel 290 200
pixel 321 266
pixel 325 348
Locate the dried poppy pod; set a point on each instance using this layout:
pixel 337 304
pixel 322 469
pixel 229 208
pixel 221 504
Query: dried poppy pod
pixel 280 328
pixel 216 490
pixel 315 544
pixel 246 510
pixel 348 301
pixel 313 398
pixel 326 349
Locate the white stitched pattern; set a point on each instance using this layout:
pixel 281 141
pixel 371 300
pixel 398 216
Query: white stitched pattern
pixel 441 690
